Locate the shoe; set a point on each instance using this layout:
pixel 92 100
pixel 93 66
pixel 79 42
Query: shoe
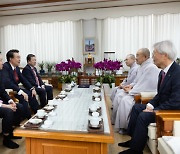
pixel 14 137
pixel 130 151
pixel 124 144
pixel 7 142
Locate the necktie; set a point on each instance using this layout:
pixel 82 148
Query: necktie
pixel 163 74
pixel 37 80
pixel 16 76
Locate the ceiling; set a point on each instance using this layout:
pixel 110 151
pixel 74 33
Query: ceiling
pixel 21 7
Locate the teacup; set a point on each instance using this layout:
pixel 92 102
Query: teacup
pixel 94 122
pixel 97 99
pixel 95 114
pixel 96 88
pixel 41 113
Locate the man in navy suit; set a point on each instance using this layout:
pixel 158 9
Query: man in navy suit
pixel 167 98
pixel 10 112
pixel 13 77
pixel 31 74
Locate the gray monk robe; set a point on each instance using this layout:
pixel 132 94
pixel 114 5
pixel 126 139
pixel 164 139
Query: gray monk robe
pixel 130 78
pixel 146 81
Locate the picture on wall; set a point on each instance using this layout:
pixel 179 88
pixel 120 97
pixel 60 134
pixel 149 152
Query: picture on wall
pixel 89 45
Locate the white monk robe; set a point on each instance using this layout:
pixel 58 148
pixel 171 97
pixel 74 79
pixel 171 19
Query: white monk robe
pixel 146 81
pixel 117 92
pixel 130 78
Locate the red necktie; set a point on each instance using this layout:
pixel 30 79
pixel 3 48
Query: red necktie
pixel 163 74
pixel 16 76
pixel 37 80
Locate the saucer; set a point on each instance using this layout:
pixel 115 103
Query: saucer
pixel 35 121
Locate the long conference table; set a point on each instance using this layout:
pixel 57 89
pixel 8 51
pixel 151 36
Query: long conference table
pixel 69 132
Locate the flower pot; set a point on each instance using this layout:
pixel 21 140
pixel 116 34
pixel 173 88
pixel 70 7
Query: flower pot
pixel 42 72
pixel 107 88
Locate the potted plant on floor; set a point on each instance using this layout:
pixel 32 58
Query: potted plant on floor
pixel 49 67
pixel 41 65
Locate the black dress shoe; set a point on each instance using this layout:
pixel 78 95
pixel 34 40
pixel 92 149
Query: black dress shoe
pixel 7 142
pixel 130 151
pixel 124 144
pixel 14 137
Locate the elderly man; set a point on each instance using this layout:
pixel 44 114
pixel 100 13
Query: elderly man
pixel 130 62
pixel 31 74
pixel 167 98
pixel 146 80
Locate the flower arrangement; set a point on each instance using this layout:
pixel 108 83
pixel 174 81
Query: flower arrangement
pixel 66 69
pixel 106 70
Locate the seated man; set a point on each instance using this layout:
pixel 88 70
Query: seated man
pixel 30 73
pixel 167 98
pixel 10 113
pixel 146 80
pixel 130 62
pixel 13 77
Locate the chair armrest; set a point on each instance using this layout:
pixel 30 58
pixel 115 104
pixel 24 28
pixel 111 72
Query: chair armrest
pixel 137 98
pixel 165 121
pixel 12 96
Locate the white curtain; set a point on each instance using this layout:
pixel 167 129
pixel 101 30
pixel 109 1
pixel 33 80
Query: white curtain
pixel 126 35
pixel 50 42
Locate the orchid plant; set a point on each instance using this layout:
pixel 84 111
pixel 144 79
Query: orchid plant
pixel 106 70
pixel 66 69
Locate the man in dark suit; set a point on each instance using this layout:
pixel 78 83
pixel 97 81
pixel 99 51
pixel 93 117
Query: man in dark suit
pixel 167 98
pixel 31 74
pixel 10 113
pixel 13 77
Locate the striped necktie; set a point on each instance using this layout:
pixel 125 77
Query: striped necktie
pixel 37 80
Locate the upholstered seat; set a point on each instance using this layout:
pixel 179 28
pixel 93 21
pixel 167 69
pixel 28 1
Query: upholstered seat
pixel 169 144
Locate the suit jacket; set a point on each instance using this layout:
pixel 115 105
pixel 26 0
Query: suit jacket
pixel 11 83
pixel 29 75
pixel 3 94
pixel 168 95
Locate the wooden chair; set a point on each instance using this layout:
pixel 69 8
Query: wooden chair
pixel 160 128
pixel 12 94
